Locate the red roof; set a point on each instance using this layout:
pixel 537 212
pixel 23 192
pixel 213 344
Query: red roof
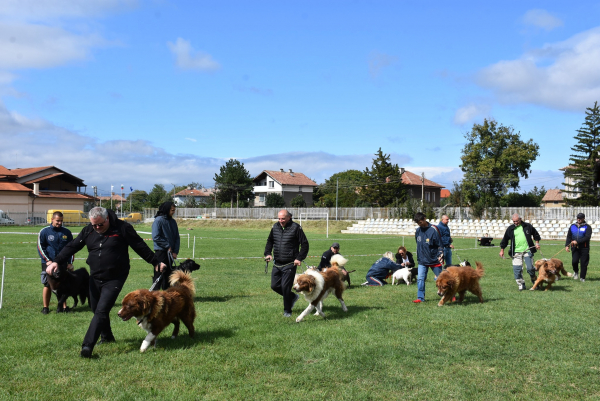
pixel 66 195
pixel 409 178
pixel 115 197
pixel 444 193
pixel 22 172
pixel 13 186
pixel 195 192
pixel 288 178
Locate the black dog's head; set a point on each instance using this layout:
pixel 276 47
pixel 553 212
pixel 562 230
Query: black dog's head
pixel 188 266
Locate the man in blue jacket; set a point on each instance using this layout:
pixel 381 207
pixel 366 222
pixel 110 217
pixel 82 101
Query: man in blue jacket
pixel 165 235
pixel 446 240
pixel 430 253
pixel 578 243
pixel 51 240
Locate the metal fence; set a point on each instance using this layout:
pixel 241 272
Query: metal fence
pixel 363 213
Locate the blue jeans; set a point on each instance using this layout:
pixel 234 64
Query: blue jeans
pixel 421 277
pixel 518 260
pixel 375 282
pixel 448 256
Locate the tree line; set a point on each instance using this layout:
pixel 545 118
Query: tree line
pixel 493 160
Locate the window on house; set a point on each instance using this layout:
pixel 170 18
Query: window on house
pixel 261 197
pixel 271 184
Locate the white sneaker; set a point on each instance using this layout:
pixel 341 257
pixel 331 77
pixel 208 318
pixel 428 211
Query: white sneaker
pixel 575 276
pixel 365 283
pixel 522 286
pixel 583 280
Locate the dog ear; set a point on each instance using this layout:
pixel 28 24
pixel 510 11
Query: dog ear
pixel 311 284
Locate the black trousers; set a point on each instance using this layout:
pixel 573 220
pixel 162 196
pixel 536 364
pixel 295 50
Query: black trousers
pixel 162 256
pixel 282 281
pixel 580 256
pixel 103 295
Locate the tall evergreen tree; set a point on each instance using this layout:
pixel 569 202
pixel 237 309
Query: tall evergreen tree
pixel 583 164
pixel 233 182
pixel 384 182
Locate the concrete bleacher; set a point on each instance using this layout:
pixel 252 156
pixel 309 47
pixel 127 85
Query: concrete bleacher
pixel 495 228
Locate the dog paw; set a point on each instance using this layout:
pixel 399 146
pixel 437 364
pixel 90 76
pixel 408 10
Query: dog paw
pixel 440 303
pixel 298 320
pixel 532 289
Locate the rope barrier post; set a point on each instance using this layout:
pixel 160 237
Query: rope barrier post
pixel 2 288
pixel 188 240
pixel 194 248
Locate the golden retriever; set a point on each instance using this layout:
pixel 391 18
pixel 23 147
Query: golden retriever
pixel 548 272
pixel 459 279
pixel 155 310
pixel 557 265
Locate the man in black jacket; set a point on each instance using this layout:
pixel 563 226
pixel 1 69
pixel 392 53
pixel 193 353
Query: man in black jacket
pixel 327 255
pixel 107 239
pixel 522 248
pixel 284 240
pixel 578 243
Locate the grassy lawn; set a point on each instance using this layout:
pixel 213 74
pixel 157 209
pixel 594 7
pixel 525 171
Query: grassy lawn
pixel 528 345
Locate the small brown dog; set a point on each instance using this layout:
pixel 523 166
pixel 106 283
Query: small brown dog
pixel 155 310
pixel 558 266
pixel 459 279
pixel 548 273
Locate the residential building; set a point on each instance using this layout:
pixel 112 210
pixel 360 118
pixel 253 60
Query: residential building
pixel 287 184
pixel 201 196
pixel 553 198
pixel 417 186
pixel 32 191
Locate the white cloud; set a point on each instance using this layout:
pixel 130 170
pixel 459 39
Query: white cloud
pixel 41 46
pixel 541 19
pixel 191 139
pixel 35 10
pixel 470 112
pixel 187 58
pixel 563 75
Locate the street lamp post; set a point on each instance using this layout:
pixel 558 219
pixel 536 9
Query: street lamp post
pixel 111 192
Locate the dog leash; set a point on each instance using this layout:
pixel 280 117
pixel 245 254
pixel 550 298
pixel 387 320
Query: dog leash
pixel 172 263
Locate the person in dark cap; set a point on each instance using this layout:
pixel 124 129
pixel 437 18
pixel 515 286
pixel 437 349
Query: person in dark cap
pixel 326 258
pixel 578 243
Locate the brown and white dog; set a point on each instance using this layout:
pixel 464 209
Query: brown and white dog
pixel 339 261
pixel 459 279
pixel 155 310
pixel 557 265
pixel 316 286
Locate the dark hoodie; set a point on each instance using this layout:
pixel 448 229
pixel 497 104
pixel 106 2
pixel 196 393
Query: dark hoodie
pixel 108 257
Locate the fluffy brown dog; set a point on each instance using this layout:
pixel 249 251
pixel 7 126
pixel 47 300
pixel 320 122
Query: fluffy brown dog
pixel 557 265
pixel 459 279
pixel 548 273
pixel 155 310
pixel 339 261
pixel 316 286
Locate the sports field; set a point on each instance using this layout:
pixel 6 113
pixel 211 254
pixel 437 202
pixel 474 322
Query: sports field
pixel 528 345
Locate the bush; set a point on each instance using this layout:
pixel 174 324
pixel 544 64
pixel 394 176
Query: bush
pixel 274 200
pixel 298 201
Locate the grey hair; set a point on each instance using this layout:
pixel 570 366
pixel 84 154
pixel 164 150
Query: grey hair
pixel 516 215
pixel 286 211
pixel 96 212
pixel 389 255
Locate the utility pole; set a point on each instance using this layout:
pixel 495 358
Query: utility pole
pixel 111 192
pixel 422 189
pixel 337 185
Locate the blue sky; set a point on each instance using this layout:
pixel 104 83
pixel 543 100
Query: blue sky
pixel 143 92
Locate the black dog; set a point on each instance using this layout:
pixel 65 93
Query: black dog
pixel 65 284
pixel 188 266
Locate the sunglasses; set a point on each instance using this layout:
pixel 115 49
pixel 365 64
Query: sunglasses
pixel 99 225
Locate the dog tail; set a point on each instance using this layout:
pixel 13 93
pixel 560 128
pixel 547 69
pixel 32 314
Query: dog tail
pixel 479 269
pixel 339 260
pixel 179 277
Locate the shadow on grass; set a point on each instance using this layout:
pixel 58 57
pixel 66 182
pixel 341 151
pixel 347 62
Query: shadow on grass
pixel 182 341
pixel 224 298
pixel 336 312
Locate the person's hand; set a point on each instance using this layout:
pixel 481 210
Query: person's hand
pixel 502 253
pixel 268 258
pixel 573 243
pixel 451 246
pixel 162 267
pixel 297 262
pixel 70 267
pixel 567 249
pixel 537 246
pixel 51 268
pixel 174 255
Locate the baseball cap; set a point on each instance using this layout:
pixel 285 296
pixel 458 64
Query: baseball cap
pixel 581 216
pixel 335 245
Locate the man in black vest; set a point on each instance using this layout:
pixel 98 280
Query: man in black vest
pixel 284 240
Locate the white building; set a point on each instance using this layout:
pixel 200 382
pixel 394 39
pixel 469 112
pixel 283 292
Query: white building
pixel 287 184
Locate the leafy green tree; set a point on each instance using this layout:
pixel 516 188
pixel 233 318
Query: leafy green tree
pixel 157 196
pixel 274 200
pixel 583 169
pixel 298 201
pixel 384 185
pixel 138 199
pixel 348 185
pixel 532 198
pixel 233 182
pixel 493 159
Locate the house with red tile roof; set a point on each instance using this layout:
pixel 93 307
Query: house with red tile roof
pixel 417 186
pixel 34 190
pixel 202 195
pixel 288 184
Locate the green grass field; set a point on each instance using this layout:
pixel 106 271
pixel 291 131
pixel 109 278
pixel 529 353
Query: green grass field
pixel 528 345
